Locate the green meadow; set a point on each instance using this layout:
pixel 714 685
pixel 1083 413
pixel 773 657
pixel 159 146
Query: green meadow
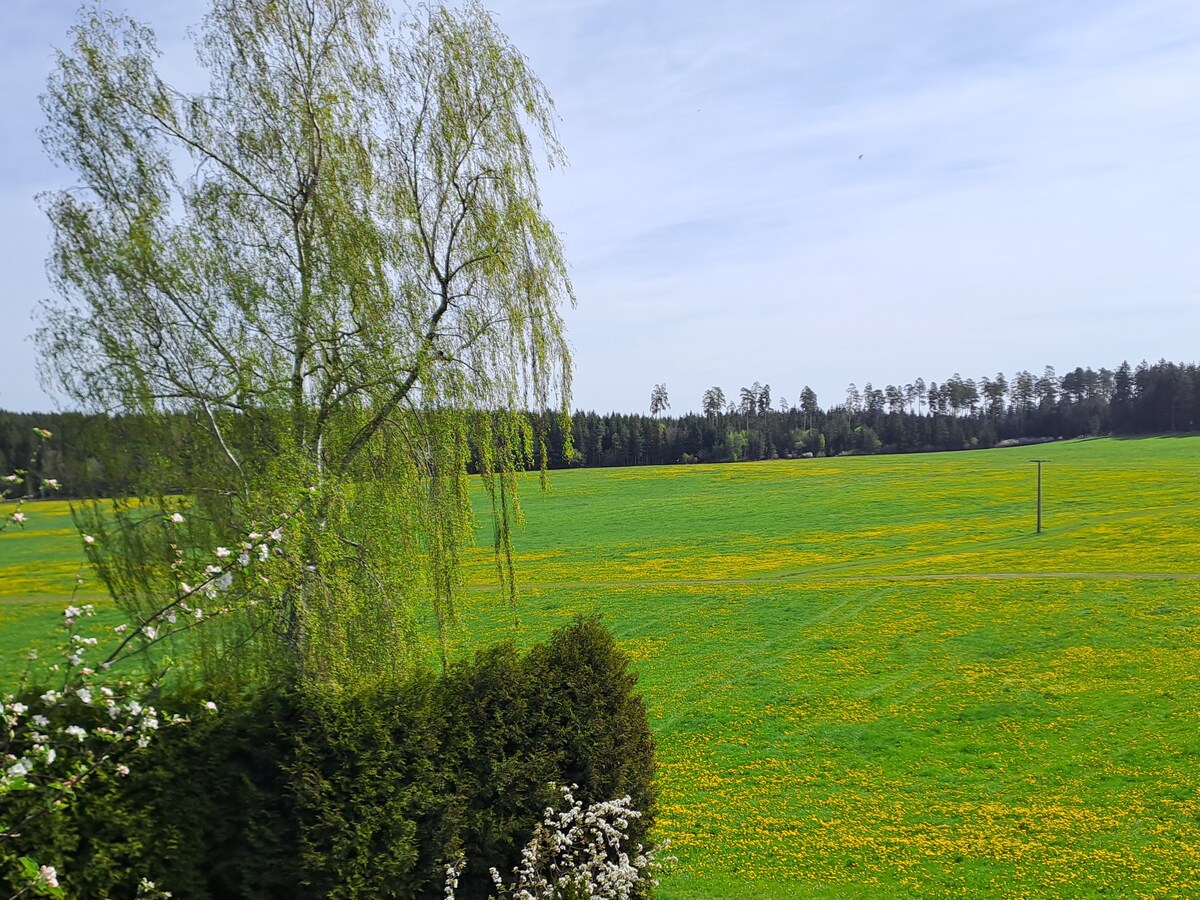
pixel 867 676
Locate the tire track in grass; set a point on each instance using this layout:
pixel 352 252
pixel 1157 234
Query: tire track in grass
pixel 798 579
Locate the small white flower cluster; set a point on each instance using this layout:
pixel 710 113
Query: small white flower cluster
pixel 219 578
pixel 32 747
pixel 148 890
pixel 42 881
pixel 19 476
pixel 183 612
pixel 48 876
pixel 575 852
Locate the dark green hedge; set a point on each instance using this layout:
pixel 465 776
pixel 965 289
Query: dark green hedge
pixel 285 794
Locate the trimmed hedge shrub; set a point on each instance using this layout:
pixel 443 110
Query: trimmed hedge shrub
pixel 284 794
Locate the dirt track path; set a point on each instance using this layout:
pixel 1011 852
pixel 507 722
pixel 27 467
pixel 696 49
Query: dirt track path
pixel 794 579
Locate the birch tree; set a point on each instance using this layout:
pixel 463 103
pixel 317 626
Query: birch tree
pixel 333 264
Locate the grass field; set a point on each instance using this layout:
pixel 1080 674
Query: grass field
pixel 868 676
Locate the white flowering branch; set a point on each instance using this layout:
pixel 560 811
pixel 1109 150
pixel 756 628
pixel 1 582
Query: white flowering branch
pixel 40 881
pixel 54 759
pixel 29 748
pixel 576 852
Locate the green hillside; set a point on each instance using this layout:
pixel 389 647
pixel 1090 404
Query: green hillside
pixel 868 676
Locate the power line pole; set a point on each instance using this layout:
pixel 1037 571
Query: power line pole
pixel 1039 502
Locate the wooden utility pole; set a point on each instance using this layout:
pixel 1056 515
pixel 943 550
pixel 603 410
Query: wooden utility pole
pixel 1039 500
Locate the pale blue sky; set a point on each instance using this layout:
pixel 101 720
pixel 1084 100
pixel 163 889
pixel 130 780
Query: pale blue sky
pixel 1028 192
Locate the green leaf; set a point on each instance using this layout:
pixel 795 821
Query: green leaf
pixel 29 868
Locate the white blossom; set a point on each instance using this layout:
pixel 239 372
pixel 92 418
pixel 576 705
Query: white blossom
pixel 575 852
pixel 48 876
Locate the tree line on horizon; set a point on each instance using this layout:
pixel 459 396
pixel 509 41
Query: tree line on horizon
pixel 955 414
pixel 95 454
